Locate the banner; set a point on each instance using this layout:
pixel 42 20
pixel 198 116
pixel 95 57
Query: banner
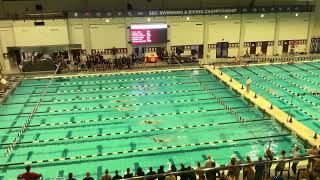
pixel 188 12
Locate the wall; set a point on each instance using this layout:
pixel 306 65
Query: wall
pixel 53 33
pixel 96 33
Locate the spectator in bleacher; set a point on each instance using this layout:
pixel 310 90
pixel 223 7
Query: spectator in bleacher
pixel 281 165
pixel 106 175
pixel 29 175
pixel 260 169
pixel 161 171
pixel 151 172
pixel 200 171
pixel 88 176
pixel 183 176
pixel 139 172
pixel 70 177
pixel 295 154
pixel 129 174
pixel 117 176
pixel 3 83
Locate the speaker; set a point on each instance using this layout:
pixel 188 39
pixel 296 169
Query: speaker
pixel 38 7
pixel 41 23
pixel 129 7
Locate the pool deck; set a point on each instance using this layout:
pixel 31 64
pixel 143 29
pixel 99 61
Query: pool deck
pixel 295 126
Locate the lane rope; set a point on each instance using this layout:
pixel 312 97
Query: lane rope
pixel 133 132
pixel 129 117
pixel 142 150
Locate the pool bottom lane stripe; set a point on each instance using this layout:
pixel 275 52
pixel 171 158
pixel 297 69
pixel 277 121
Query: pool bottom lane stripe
pixel 141 150
pixel 135 131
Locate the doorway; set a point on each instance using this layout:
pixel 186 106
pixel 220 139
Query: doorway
pixel 253 48
pixel 264 47
pixel 285 47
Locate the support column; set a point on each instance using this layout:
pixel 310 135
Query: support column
pixel 241 37
pixel 2 68
pixel 310 30
pixel 276 35
pixel 86 32
pixel 205 59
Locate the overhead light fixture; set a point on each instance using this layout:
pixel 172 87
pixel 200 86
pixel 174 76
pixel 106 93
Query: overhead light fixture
pixel 226 16
pixel 188 18
pixel 262 15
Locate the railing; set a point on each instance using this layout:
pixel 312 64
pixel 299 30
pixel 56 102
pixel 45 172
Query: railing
pixel 223 167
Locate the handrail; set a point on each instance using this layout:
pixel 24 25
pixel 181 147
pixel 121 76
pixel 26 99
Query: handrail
pixel 222 167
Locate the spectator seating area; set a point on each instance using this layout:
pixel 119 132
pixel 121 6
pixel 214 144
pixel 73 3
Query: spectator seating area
pixel 281 166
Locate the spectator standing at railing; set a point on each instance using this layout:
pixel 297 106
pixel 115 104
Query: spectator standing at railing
pixel 106 175
pixel 161 171
pixel 88 176
pixel 29 175
pixel 192 174
pixel 200 171
pixel 208 164
pixel 129 174
pixel 295 154
pixel 247 169
pixel 117 176
pixel 70 177
pixel 139 172
pixel 183 176
pixel 312 152
pixel 151 172
pixel 214 173
pixel 280 166
pixel 260 169
pixel 172 177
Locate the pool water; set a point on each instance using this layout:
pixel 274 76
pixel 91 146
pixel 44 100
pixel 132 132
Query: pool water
pixel 91 123
pixel 284 84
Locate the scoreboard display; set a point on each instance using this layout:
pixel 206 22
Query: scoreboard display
pixel 148 34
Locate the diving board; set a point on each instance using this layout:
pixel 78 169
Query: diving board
pixel 295 126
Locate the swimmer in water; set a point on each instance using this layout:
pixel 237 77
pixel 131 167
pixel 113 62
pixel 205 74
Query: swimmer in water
pixel 118 101
pixel 125 109
pixel 160 140
pixel 272 91
pixel 151 122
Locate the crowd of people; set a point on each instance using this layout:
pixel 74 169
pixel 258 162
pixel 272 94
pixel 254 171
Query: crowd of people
pixel 252 171
pixel 99 62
